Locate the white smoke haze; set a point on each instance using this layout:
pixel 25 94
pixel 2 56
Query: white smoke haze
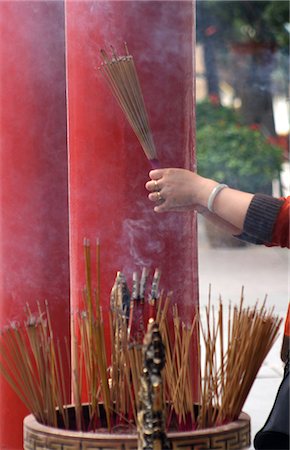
pixel 33 166
pixel 134 232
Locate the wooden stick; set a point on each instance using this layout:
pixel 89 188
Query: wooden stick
pixel 121 76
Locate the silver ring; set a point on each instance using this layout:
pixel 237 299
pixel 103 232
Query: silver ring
pixel 157 188
pixel 159 197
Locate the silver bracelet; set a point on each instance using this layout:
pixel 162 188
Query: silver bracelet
pixel 213 194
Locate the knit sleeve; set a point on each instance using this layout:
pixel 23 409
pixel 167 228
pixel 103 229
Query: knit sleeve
pixel 260 219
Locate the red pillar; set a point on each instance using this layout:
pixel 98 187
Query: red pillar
pixel 106 165
pixel 33 181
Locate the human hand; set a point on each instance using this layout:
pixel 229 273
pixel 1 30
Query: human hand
pixel 178 190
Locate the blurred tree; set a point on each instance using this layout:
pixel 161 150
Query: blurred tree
pixel 253 30
pixel 243 20
pixel 276 15
pixel 206 33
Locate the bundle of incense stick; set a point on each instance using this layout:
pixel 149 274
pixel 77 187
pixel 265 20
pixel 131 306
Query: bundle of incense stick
pixel 108 376
pixel 128 316
pixel 230 369
pixel 32 363
pixel 89 356
pixel 178 374
pixel 122 78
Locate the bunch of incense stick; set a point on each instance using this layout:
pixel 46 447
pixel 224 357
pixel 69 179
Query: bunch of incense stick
pixel 32 364
pixel 121 75
pixel 108 376
pixel 128 315
pixel 120 373
pixel 178 375
pixel 89 355
pixel 230 369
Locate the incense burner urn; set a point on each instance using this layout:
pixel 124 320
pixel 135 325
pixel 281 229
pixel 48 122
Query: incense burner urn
pixel 233 436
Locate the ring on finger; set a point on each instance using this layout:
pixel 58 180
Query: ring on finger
pixel 157 188
pixel 159 197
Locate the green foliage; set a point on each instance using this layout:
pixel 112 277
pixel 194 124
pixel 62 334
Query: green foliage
pixel 208 113
pixel 238 156
pixel 276 15
pixel 245 20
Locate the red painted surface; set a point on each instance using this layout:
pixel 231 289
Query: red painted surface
pixel 33 177
pixel 107 168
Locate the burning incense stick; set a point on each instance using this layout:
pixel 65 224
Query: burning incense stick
pixel 32 362
pixel 122 78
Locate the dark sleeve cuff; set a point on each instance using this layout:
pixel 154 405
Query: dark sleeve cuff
pixel 260 219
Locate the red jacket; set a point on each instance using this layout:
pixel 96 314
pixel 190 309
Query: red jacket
pixel 267 221
pixel 281 233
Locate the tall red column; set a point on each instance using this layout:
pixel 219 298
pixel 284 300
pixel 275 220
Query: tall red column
pixel 33 180
pixel 107 168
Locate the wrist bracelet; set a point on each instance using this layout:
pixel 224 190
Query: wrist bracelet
pixel 213 195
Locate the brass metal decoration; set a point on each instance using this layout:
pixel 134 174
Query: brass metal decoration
pixel 233 436
pixel 151 421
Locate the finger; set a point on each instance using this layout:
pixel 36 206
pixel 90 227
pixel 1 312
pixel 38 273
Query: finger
pixel 153 186
pixel 149 186
pixel 155 197
pixel 160 208
pixel 156 174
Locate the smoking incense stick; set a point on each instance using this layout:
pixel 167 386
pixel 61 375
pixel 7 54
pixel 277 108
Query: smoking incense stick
pixel 32 362
pixel 122 78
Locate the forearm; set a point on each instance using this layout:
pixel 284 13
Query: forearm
pixel 259 218
pixel 216 220
pixel 256 218
pixel 230 206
